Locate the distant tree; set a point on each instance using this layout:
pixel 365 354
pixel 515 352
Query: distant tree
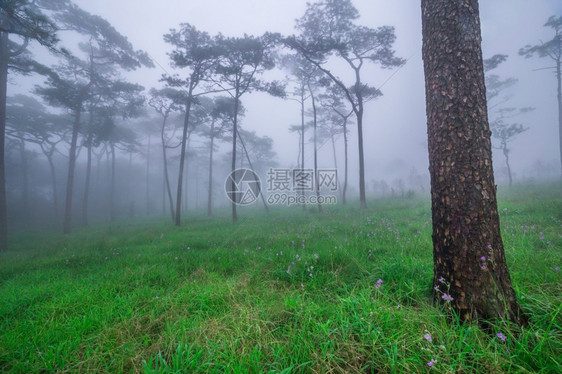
pixel 221 113
pixel 76 84
pixel 505 133
pixel 29 121
pixel 166 101
pixel 338 119
pixel 327 29
pixel 24 20
pixel 501 130
pixel 197 52
pixel 470 269
pixel 553 50
pixel 242 61
pixel 300 69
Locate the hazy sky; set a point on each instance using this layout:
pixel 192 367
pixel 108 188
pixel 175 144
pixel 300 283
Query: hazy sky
pixel 395 125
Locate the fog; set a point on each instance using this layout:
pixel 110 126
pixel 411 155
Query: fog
pixel 396 157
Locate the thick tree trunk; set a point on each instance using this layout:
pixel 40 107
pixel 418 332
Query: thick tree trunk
pixel 4 58
pixel 470 269
pixel 70 179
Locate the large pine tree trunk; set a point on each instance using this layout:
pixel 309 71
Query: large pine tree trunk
pixel 468 253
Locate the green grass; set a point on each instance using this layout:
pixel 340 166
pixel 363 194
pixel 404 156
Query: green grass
pixel 215 297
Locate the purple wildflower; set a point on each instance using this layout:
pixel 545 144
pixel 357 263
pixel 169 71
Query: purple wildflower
pixel 501 336
pixel 483 258
pixel 431 363
pixel 441 280
pixel 428 337
pixel 447 297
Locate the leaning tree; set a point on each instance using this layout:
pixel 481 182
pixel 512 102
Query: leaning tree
pixel 470 269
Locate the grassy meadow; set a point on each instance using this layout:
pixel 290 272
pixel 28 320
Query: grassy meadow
pixel 346 291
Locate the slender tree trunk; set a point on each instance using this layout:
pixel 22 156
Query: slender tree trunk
pixel 234 146
pixel 359 114
pixel 177 220
pixel 86 197
pixel 112 186
pixel 302 144
pixel 506 155
pixel 54 181
pixel 559 96
pixel 166 179
pixel 25 181
pixel 186 174
pixel 346 161
pixel 4 58
pixel 315 124
pixel 71 166
pixel 470 270
pixel 251 167
pixel 148 176
pixel 210 189
pixel 335 158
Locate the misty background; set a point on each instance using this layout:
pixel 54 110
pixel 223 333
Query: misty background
pixel 394 124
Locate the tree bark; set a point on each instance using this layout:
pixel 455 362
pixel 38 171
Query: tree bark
pixel 470 269
pixel 4 58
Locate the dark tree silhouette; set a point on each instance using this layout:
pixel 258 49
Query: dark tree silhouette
pixel 470 269
pixel 24 20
